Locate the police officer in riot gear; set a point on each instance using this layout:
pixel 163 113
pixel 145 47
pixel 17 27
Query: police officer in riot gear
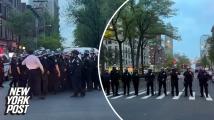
pixel 126 78
pixel 114 81
pixel 23 73
pixel 162 76
pixel 174 82
pixel 54 74
pixel 188 79
pixel 87 71
pixel 150 77
pixel 106 81
pixel 14 71
pixel 135 80
pixel 203 77
pixel 76 74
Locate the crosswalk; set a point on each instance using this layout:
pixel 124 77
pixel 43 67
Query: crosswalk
pixel 142 95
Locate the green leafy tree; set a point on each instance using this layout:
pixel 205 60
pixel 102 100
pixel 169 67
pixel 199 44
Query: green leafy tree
pixel 90 17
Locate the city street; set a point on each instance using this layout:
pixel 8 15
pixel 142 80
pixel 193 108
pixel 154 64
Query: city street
pixel 62 107
pixel 163 107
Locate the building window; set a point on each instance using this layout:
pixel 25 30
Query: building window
pixel 109 42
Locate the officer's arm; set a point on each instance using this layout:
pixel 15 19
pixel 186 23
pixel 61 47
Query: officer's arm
pixel 18 70
pixel 57 69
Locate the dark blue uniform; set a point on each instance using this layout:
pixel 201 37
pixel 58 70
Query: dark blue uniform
pixel 188 78
pixel 126 82
pixel 162 76
pixel 203 77
pixel 75 73
pixel 150 77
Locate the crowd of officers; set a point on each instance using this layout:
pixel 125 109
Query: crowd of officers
pixel 51 72
pixel 111 81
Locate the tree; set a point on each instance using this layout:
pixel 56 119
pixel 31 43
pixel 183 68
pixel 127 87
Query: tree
pixel 91 18
pixel 204 61
pixel 211 50
pixel 23 25
pixel 148 15
pixel 182 60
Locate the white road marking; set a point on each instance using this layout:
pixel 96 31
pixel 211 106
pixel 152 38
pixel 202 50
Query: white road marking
pixel 208 98
pixel 179 95
pixel 192 97
pixel 140 93
pixel 162 96
pixel 146 97
pixel 117 97
pixel 112 94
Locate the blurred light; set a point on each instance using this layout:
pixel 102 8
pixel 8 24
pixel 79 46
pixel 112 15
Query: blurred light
pixel 11 54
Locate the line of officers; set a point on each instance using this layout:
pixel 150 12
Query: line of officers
pixel 62 71
pixel 111 80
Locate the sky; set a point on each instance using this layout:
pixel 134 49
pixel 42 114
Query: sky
pixel 194 18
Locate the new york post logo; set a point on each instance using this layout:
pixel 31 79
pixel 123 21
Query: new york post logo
pixel 17 101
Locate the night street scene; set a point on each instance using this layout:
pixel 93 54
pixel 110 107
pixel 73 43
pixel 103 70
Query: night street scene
pixel 50 46
pixel 156 60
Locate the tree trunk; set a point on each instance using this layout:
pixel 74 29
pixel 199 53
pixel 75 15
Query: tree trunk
pixel 132 52
pixel 138 52
pixel 142 58
pixel 120 57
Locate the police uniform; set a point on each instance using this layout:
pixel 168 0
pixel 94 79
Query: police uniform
pixel 63 69
pixel 126 82
pixel 87 72
pixel 174 82
pixel 106 82
pixel 95 77
pixel 114 81
pixel 188 78
pixel 135 80
pixel 23 74
pixel 162 76
pixel 76 74
pixel 45 63
pixel 53 80
pixel 14 72
pixel 203 77
pixel 150 77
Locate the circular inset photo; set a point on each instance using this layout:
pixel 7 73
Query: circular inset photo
pixel 156 60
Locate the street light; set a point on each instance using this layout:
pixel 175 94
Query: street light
pixel 23 48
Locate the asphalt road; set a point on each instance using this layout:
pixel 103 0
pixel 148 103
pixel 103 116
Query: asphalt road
pixel 163 107
pixel 62 107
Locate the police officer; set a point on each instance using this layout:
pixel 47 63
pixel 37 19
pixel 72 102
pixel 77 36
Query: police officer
pixel 188 79
pixel 106 81
pixel 126 78
pixel 174 82
pixel 63 71
pixel 135 80
pixel 95 77
pixel 162 76
pixel 114 81
pixel 1 72
pixel 203 77
pixel 23 73
pixel 54 74
pixel 14 71
pixel 87 70
pixel 45 63
pixel 150 77
pixel 76 73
